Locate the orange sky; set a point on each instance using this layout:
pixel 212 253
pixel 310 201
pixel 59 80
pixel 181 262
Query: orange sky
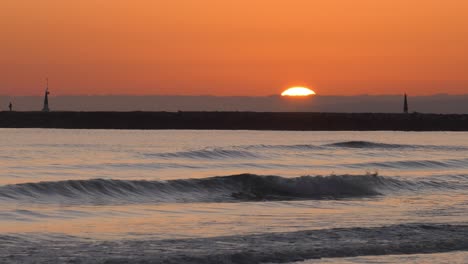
pixel 242 47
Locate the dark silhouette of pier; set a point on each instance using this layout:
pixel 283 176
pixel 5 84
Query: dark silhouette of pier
pixel 235 121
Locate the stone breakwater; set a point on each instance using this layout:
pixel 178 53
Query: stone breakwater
pixel 235 121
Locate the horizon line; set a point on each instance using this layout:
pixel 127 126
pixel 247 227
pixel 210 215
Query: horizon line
pixel 252 96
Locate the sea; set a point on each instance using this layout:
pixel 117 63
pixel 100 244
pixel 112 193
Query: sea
pixel 193 196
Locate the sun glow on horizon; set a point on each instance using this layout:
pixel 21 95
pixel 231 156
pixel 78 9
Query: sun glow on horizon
pixel 298 91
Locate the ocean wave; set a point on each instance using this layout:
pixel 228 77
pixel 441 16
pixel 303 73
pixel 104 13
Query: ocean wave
pixel 258 151
pixel 368 144
pixel 258 248
pixel 284 147
pixel 244 187
pixel 357 144
pixel 377 145
pixel 413 164
pixel 207 154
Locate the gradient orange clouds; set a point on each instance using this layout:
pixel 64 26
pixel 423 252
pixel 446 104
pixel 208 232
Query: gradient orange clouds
pixel 244 47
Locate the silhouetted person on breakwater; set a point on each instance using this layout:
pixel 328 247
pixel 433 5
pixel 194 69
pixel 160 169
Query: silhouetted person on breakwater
pixel 10 106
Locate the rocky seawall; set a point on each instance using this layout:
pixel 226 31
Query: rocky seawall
pixel 235 121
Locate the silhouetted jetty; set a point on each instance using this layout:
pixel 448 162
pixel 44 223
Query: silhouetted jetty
pixel 235 121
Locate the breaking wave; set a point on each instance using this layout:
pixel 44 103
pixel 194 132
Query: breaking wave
pixel 243 187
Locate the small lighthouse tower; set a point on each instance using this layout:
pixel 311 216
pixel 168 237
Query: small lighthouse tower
pixel 46 98
pixel 405 105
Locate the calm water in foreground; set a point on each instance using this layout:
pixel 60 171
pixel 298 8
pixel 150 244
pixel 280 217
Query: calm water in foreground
pixel 231 196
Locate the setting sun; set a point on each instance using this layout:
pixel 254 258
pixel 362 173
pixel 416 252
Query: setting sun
pixel 298 91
